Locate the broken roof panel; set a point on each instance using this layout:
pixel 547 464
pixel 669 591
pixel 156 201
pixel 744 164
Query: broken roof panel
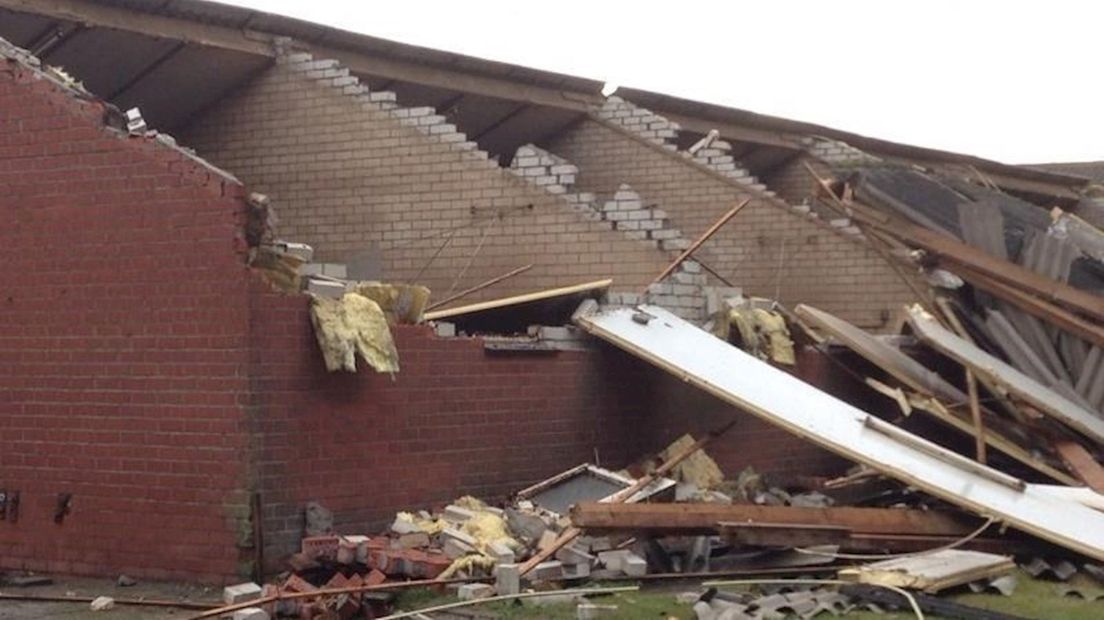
pixel 663 339
pixel 1045 398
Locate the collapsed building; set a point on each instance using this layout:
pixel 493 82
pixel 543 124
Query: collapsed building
pixel 163 402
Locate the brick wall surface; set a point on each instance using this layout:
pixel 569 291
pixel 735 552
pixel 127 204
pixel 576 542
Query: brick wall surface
pixel 356 175
pixel 769 249
pixel 122 345
pixel 458 419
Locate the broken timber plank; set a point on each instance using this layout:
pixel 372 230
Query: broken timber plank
pixel 703 518
pixel 517 300
pixel 712 365
pixel 1082 463
pixel 698 243
pixel 918 377
pixel 956 252
pixel 1015 382
pixel 931 572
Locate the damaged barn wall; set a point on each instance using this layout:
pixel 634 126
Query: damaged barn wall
pixel 366 181
pixel 767 250
pixel 122 346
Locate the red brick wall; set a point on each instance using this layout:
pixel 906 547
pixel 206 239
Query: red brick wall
pixel 460 420
pixel 147 373
pixel 122 345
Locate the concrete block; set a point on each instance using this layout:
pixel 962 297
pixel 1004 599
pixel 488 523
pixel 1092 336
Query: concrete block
pixel 507 579
pixel 473 591
pixel 576 571
pixel 613 560
pixel 103 603
pixel 456 514
pixel 250 613
pixel 546 571
pixel 239 593
pixel 444 329
pixel 501 552
pixel 634 565
pixel 413 540
pixel 325 288
pixel 573 554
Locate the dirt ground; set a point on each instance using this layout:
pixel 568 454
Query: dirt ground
pixel 89 587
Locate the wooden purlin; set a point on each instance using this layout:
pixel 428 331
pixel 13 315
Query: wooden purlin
pixel 958 254
pixel 676 518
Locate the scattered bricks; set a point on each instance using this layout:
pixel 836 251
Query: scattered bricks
pixel 634 565
pixel 456 514
pixel 299 562
pixel 315 547
pixel 501 552
pixel 374 578
pixel 352 549
pixel 295 583
pixel 338 580
pixel 232 595
pixel 474 591
pixel 548 571
pixel 590 611
pixel 250 613
pixel 507 579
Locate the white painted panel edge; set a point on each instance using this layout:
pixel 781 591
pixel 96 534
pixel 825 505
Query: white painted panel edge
pixel 713 365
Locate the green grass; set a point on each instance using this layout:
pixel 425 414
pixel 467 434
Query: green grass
pixel 1035 599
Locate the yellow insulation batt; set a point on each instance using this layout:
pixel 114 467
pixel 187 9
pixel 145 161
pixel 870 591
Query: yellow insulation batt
pixel 353 325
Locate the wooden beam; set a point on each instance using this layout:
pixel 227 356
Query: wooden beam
pixel 975 415
pixel 480 286
pixel 691 518
pixel 96 15
pixel 1039 308
pixel 957 253
pixel 698 242
pixel 1081 462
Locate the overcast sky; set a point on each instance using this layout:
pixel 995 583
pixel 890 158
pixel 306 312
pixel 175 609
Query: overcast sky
pixel 1016 81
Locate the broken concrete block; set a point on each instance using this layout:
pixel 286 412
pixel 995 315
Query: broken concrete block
pixel 413 540
pixel 703 611
pixel 528 527
pixel 572 554
pixel 546 571
pixel 547 540
pixel 507 579
pixel 613 560
pixel 451 533
pixel 240 593
pixel 456 549
pixel 250 613
pixel 473 591
pixel 456 514
pixel 600 543
pixel 404 524
pixel 501 552
pixel 325 288
pixel 103 603
pixel 353 548
pixel 634 566
pixel 576 571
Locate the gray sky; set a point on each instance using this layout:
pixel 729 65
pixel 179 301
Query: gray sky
pixel 1017 81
